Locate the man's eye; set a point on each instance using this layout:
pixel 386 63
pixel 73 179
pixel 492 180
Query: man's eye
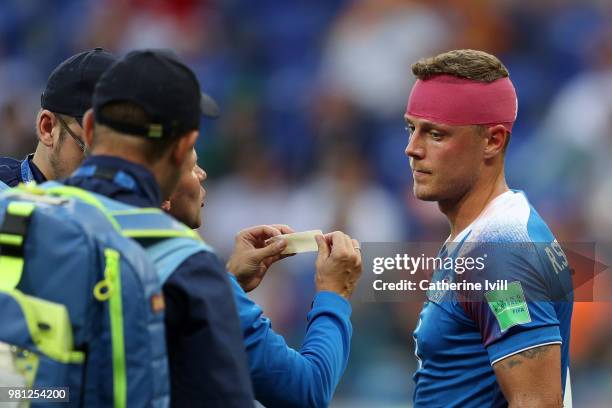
pixel 409 129
pixel 435 135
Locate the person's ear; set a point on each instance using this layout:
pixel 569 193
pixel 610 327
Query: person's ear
pixel 183 148
pixel 45 122
pixel 496 137
pixel 88 128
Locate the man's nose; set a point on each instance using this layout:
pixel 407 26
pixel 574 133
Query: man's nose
pixel 201 174
pixel 414 150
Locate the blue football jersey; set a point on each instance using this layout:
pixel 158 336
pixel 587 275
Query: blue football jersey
pixel 460 336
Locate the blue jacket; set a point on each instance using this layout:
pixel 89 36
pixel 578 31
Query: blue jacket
pixel 208 366
pixel 13 172
pixel 283 377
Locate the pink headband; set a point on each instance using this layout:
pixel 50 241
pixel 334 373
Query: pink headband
pixel 457 101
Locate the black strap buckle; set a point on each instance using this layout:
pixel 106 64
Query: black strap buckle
pixel 16 226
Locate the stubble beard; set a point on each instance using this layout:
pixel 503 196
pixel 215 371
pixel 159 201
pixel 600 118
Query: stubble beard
pixel 58 166
pixel 442 193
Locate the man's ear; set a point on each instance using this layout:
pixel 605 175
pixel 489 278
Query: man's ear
pixel 183 148
pixel 88 128
pixel 496 140
pixel 45 122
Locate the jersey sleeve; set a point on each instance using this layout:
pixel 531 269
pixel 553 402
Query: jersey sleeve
pixel 284 377
pixel 519 313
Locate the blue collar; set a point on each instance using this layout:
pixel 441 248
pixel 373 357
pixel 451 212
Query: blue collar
pixel 29 172
pixel 118 178
pixel 26 171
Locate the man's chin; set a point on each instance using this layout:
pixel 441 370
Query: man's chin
pixel 197 223
pixel 424 195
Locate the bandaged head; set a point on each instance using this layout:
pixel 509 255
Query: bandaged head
pixel 450 100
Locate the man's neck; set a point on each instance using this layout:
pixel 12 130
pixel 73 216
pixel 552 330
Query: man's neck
pixel 42 162
pixel 463 211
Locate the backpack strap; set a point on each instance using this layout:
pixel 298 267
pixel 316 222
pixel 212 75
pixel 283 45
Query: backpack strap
pixel 13 234
pixel 169 254
pixel 118 177
pixel 152 223
pixel 54 192
pixel 174 242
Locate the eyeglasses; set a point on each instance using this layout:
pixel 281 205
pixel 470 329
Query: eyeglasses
pixel 77 139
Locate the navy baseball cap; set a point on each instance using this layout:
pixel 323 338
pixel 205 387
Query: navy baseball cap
pixel 165 88
pixel 71 85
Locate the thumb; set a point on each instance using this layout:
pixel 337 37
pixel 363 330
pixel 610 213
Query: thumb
pixel 270 250
pixel 323 248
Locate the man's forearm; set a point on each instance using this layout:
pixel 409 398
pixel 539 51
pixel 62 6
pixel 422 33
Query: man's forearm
pixel 284 377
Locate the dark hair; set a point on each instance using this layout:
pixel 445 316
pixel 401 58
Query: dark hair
pixel 469 64
pixel 132 114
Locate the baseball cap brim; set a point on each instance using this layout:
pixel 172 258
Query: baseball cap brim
pixel 209 107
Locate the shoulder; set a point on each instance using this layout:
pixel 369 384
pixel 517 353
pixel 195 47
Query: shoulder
pixel 9 161
pixel 502 231
pixel 513 236
pixel 202 265
pixel 9 171
pixel 509 219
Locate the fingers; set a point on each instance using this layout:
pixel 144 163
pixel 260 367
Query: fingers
pixel 338 241
pixel 348 244
pixel 270 260
pixel 283 228
pixel 263 232
pixel 286 256
pixel 357 249
pixel 338 264
pixel 256 235
pixel 341 243
pixel 343 246
pixel 329 238
pixel 324 249
pixel 271 250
